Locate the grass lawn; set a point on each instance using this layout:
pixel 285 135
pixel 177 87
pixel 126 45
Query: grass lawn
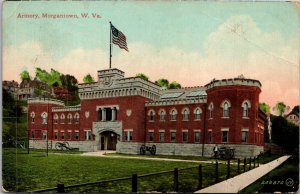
pixel 278 179
pixel 23 172
pixel 199 158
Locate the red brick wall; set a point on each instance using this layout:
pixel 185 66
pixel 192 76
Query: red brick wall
pixel 136 121
pixel 66 126
pixel 235 95
pixel 177 125
pixel 37 126
pixel 134 103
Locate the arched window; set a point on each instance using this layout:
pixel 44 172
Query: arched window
pixel 225 105
pixel 226 110
pixel 211 108
pixel 69 118
pixel 173 114
pixel 44 118
pixel 76 118
pixel 186 114
pixel 32 117
pixel 62 118
pixel 162 115
pixel 151 115
pixel 246 105
pixel 55 118
pixel 197 113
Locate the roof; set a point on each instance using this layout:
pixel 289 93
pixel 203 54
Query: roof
pixel 183 93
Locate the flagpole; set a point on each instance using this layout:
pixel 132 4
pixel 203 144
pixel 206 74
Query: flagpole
pixel 110 47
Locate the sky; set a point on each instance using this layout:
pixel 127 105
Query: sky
pixel 190 42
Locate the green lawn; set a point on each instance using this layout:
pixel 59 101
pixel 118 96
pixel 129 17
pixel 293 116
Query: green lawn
pixel 23 172
pixel 276 179
pixel 199 158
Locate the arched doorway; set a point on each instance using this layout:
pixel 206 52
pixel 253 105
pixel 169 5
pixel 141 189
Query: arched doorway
pixel 108 140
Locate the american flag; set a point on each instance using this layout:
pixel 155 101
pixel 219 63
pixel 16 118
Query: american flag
pixel 118 38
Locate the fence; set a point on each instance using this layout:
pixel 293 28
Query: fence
pixel 177 180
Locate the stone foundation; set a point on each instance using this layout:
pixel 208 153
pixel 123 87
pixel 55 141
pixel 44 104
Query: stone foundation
pixel 241 151
pixel 82 145
pixel 181 149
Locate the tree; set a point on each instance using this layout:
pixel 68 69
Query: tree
pixel 264 107
pixel 143 76
pixel 14 121
pixel 284 133
pixel 174 85
pixel 25 75
pixel 52 78
pixel 281 108
pixel 162 82
pixel 88 79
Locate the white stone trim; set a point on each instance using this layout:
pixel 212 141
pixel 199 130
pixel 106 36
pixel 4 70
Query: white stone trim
pixel 185 108
pixel 223 102
pixel 173 130
pixel 128 130
pixel 197 109
pixel 246 101
pixel 32 114
pixel 172 102
pixel 69 130
pixel 161 130
pixel 151 110
pixel 197 130
pixel 45 101
pixel 233 82
pixel 87 130
pixel 108 106
pixel 225 129
pixel 245 129
pixel 162 110
pixel 171 110
pixel 184 130
pixel 150 130
pixel 210 130
pixel 44 113
pixel 66 109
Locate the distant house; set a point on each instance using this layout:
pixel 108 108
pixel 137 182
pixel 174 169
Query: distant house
pixel 11 86
pixel 62 93
pixel 33 88
pixel 293 117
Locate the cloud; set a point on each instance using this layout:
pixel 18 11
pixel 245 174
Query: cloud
pixel 238 46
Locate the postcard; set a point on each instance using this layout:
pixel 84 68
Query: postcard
pixel 150 96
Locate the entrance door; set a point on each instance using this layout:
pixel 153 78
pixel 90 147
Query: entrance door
pixel 108 140
pixel 102 142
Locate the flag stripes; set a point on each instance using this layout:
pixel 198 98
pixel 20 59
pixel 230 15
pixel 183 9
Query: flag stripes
pixel 118 38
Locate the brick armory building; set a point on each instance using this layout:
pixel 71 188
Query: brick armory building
pixel 118 113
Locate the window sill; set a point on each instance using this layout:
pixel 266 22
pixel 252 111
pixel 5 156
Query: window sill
pixel 225 117
pixel 151 121
pixel 173 120
pixel 210 118
pixel 246 118
pixel 185 120
pixel 197 120
pixel 162 120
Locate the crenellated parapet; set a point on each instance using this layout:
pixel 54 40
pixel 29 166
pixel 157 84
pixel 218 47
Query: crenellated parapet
pixel 240 81
pixel 111 83
pixel 176 102
pixel 66 109
pixel 45 101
